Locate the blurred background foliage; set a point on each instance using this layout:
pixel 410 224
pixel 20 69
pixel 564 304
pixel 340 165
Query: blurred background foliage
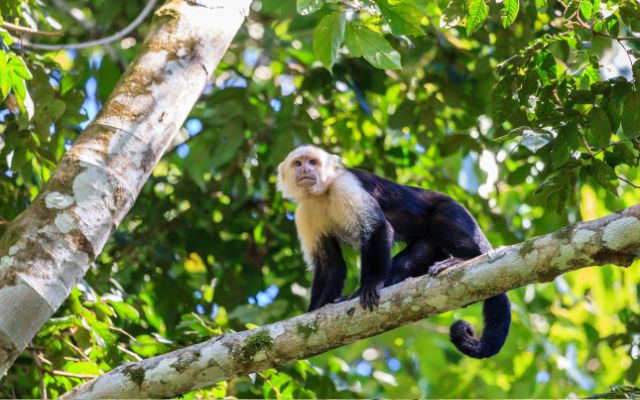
pixel 527 112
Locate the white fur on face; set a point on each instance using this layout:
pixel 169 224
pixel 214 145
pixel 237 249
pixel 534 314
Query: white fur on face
pixel 330 168
pixel 337 205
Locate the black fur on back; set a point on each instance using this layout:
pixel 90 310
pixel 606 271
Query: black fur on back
pixel 436 227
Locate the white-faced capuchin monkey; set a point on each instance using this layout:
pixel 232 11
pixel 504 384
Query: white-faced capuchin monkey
pixel 338 204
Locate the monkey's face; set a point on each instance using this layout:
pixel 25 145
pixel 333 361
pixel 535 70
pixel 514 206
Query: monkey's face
pixel 307 170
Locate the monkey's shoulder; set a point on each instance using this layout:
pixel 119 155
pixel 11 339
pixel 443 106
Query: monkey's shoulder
pixel 390 193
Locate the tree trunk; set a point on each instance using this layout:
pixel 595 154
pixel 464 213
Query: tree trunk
pixel 51 245
pixel 614 239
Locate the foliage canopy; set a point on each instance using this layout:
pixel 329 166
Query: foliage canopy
pixel 527 112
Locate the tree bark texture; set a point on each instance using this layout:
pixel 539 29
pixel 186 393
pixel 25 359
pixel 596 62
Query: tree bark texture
pixel 614 239
pixel 50 246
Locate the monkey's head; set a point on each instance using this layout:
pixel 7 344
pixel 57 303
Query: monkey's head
pixel 307 170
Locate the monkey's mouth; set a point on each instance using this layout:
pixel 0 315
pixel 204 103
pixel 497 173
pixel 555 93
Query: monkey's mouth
pixel 306 180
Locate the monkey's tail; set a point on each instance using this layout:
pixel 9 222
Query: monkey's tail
pixel 497 318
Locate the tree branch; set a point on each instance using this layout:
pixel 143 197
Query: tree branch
pixel 98 42
pixel 49 247
pixel 614 239
pixel 23 29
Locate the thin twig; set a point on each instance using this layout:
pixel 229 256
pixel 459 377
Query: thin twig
pixel 36 360
pixel 590 28
pixel 70 375
pixel 624 48
pixel 122 331
pixel 98 42
pixel 77 349
pixel 278 394
pixel 129 352
pixel 586 144
pixel 628 182
pixel 603 149
pixel 23 29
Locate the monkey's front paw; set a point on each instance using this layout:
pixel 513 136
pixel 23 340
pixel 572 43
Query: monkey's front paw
pixel 440 266
pixel 370 296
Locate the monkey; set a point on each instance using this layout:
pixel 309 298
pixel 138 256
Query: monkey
pixel 336 204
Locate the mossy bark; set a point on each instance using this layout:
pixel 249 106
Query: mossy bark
pixel 614 239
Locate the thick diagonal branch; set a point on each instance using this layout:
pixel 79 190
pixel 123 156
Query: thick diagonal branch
pixel 614 239
pixel 51 245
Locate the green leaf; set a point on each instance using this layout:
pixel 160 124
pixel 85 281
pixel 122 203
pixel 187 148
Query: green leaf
pixel 453 14
pixel 56 108
pixel 631 115
pixel 125 311
pixel 582 96
pixel 604 175
pixel 17 65
pixel 25 102
pixel 620 154
pixel 599 128
pixel 613 26
pixel 519 175
pixel 476 14
pixel 502 103
pixel 635 68
pixel 546 67
pixel 402 16
pixel 572 7
pixel 228 143
pixel 565 143
pixel 560 152
pixel 19 87
pixel 306 7
pixel 328 37
pixel 6 38
pixel 371 45
pixel 510 9
pixel 586 9
pixel 5 76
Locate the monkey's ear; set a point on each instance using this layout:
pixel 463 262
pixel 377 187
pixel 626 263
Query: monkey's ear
pixel 336 162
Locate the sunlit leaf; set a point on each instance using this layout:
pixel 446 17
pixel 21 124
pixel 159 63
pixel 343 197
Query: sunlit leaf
pixel 306 7
pixel 402 16
pixel 126 311
pixel 18 67
pixel 328 37
pixel 371 45
pixel 476 14
pixel 453 14
pixel 510 10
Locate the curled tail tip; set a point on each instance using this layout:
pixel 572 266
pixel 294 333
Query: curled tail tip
pixel 462 335
pixel 497 319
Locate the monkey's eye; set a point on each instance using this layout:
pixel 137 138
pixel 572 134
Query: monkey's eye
pixel 313 162
pixel 297 163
